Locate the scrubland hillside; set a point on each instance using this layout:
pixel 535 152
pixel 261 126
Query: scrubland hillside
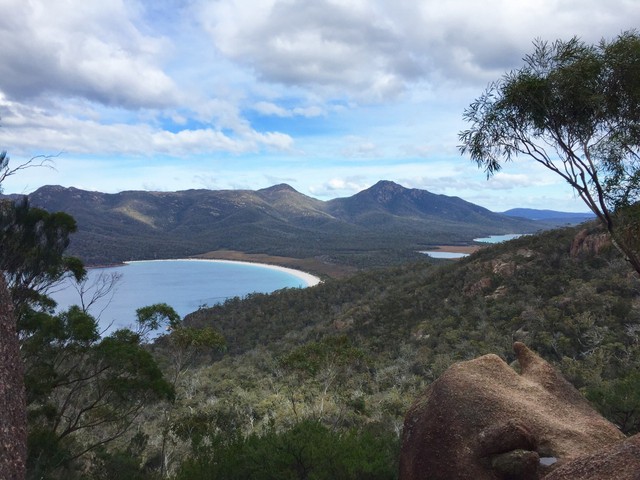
pixel 351 355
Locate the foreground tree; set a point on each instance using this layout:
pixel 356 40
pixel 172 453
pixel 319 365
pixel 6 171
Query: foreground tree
pixel 32 245
pixel 13 419
pixel 83 391
pixel 33 252
pixel 77 391
pixel 575 109
pixel 179 349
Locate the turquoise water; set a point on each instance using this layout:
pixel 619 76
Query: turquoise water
pixel 186 285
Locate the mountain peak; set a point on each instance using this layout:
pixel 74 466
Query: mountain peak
pixel 383 192
pixel 387 185
pixel 281 187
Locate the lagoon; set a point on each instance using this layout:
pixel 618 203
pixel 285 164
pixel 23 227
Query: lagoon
pixel 186 285
pixel 498 238
pixel 442 254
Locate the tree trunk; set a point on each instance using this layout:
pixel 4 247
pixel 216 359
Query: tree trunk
pixel 13 419
pixel 628 252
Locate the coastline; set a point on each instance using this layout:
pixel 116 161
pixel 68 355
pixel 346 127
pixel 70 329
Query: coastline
pixel 309 279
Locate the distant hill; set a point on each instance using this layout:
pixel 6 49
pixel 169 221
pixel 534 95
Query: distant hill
pixel 277 221
pixel 550 216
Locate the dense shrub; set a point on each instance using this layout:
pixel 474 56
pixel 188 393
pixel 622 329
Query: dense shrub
pixel 309 450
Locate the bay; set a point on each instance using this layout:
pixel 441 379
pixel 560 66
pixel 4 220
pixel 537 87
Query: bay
pixel 186 285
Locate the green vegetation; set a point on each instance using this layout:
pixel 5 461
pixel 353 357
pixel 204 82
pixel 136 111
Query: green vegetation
pixel 314 383
pixel 308 450
pixel 83 391
pixel 382 226
pixel 33 257
pixel 353 354
pixel 575 109
pixel 32 245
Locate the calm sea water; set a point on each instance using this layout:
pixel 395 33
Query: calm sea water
pixel 498 238
pixel 186 285
pixel 449 255
pixel 489 239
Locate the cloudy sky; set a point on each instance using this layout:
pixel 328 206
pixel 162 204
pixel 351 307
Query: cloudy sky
pixel 329 96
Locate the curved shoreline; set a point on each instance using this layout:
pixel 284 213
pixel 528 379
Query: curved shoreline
pixel 309 279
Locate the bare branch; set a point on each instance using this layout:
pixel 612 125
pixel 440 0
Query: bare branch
pixel 102 286
pixel 34 162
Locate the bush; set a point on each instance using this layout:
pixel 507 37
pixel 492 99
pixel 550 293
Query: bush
pixel 309 450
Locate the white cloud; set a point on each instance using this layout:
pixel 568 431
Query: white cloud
pixel 28 129
pixel 339 187
pixel 340 46
pixel 332 94
pixel 268 108
pixel 271 109
pixel 89 49
pixel 375 49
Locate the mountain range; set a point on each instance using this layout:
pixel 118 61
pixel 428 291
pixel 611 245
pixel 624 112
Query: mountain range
pixel 550 215
pixel 278 220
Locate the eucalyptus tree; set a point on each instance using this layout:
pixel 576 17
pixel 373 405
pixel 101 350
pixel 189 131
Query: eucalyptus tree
pixel 13 420
pixel 575 109
pixel 78 389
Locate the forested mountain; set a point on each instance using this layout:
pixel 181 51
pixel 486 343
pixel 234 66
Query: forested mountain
pixel 276 221
pixel 355 353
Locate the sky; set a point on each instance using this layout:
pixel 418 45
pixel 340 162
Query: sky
pixel 328 96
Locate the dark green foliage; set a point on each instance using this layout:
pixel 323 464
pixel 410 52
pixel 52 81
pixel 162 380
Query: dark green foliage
pixel 309 450
pixel 331 352
pixel 154 317
pixel 619 400
pixel 123 464
pixel 179 347
pixel 83 391
pixel 32 246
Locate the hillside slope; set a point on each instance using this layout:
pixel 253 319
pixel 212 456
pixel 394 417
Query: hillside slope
pixel 550 216
pixel 276 221
pixel 573 301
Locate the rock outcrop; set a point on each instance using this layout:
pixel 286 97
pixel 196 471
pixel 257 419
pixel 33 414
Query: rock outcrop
pixel 620 462
pixel 590 243
pixel 483 420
